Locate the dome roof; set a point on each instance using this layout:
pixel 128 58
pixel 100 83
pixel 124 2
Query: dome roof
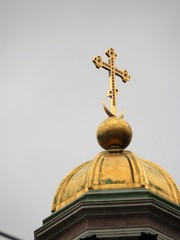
pixel 115 169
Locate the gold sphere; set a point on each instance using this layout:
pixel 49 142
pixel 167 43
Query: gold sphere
pixel 114 133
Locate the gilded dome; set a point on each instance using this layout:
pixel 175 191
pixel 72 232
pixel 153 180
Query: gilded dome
pixel 115 169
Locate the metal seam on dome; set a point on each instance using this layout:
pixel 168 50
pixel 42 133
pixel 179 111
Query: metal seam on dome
pixel 139 171
pixel 130 166
pixel 86 185
pixel 101 163
pixel 92 172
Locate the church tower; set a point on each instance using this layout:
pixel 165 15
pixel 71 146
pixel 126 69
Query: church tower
pixel 116 195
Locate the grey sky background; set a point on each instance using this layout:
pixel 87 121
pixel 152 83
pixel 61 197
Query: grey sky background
pixel 51 93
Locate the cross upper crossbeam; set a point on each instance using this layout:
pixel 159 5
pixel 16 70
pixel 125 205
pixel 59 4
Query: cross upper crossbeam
pixel 100 63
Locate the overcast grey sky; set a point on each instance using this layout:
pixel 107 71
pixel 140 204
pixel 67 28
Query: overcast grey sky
pixel 51 93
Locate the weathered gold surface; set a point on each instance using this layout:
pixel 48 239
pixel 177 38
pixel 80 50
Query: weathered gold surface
pixel 112 83
pixel 114 132
pixel 115 170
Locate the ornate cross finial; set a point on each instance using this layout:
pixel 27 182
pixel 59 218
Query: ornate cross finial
pixel 112 83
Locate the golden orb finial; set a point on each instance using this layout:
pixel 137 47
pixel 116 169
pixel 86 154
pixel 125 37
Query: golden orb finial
pixel 114 133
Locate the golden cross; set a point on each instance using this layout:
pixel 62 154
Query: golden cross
pixel 112 72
